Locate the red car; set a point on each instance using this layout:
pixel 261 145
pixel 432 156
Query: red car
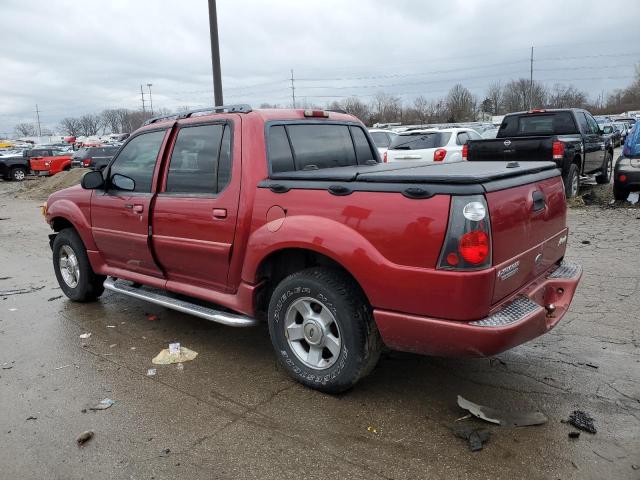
pixel 289 217
pixel 50 162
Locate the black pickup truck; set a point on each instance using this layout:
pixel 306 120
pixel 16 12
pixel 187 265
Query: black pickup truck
pixel 570 137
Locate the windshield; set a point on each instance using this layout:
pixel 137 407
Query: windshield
pixel 420 140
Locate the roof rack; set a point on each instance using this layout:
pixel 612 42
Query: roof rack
pixel 239 108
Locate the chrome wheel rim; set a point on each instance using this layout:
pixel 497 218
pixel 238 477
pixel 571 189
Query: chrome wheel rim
pixel 313 334
pixel 574 186
pixel 609 168
pixel 69 267
pixel 19 175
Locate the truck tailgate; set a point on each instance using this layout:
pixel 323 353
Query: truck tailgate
pixel 529 234
pixel 537 148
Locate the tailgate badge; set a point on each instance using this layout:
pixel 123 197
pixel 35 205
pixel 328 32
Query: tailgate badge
pixel 509 271
pixel 507 143
pixel 562 240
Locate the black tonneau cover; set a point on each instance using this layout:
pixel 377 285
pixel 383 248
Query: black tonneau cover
pixel 456 173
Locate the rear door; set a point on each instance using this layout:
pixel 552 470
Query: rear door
pixel 195 213
pixel 120 218
pixel 593 146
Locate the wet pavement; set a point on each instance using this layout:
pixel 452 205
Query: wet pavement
pixel 233 413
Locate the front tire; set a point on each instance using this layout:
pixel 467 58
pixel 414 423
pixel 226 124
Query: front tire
pixel 572 181
pixel 73 270
pixel 322 329
pixel 620 193
pixel 18 174
pixel 607 171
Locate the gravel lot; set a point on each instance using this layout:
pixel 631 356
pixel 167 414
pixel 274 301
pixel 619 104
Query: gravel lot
pixel 232 413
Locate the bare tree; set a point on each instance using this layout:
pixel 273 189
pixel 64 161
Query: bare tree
pixel 386 108
pixel 71 126
pixel 495 94
pixel 517 93
pixel 357 107
pixel 89 124
pixel 566 96
pixel 25 130
pixel 421 107
pixel 461 105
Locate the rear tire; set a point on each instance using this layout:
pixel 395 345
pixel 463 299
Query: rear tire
pixel 322 329
pixel 620 193
pixel 73 270
pixel 572 181
pixel 18 174
pixel 607 171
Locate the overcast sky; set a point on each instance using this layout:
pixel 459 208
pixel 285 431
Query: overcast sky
pixel 75 57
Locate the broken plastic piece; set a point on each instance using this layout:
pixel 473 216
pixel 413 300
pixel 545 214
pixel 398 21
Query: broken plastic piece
pixel 84 437
pixel 165 357
pixel 504 419
pixel 85 335
pixel 574 434
pixel 151 317
pixel 174 348
pixel 582 420
pixel 476 437
pixel 103 405
pixel 633 198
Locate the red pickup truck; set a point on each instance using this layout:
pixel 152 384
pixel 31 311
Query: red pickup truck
pixel 289 217
pixel 49 161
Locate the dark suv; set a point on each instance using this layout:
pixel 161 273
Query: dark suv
pixel 95 158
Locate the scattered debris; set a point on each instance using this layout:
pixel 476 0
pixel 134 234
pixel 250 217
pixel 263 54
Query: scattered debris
pixel 103 405
pixel 582 421
pixel 5 278
pixel 84 437
pixel 504 419
pixel 85 335
pixel 464 418
pixel 132 348
pixel 151 372
pixel 111 326
pixel 20 291
pixel 574 434
pixel 585 242
pixel 475 436
pixel 32 417
pixel 84 410
pixel 633 198
pixel 591 365
pixel 372 429
pixel 635 467
pixel 179 355
pixel 151 317
pixel 13 309
pixel 113 345
pixel 54 298
pixel 6 367
pixel 180 366
pixel 165 452
pixel 63 366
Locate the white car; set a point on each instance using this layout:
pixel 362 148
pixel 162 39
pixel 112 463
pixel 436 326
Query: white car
pixel 430 145
pixel 382 139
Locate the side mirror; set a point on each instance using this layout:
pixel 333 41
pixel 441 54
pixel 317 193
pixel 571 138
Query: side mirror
pixel 92 180
pixel 122 182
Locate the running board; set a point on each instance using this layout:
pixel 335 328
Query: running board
pixel 225 318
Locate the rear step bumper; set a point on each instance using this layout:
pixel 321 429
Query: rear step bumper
pixel 160 297
pixel 533 311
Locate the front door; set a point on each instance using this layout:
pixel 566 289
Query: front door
pixel 120 213
pixel 593 146
pixel 195 213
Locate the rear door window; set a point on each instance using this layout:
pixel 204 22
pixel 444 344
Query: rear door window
pixel 280 154
pixel 195 160
pixel 463 138
pixel 582 122
pixel 364 153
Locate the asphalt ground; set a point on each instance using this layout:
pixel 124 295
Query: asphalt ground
pixel 233 413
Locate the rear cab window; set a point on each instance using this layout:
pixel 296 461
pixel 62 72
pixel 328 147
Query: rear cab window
pixel 550 123
pixel 314 146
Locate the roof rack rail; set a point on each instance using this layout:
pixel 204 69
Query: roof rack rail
pixel 335 110
pixel 239 108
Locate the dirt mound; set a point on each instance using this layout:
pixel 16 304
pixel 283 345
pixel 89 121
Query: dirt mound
pixel 41 188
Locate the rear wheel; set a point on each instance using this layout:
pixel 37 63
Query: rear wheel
pixel 73 270
pixel 620 193
pixel 322 329
pixel 18 174
pixel 572 181
pixel 607 170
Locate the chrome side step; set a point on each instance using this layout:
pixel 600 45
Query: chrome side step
pixel 225 318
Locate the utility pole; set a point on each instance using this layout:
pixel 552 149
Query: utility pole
pixel 142 95
pixel 531 83
pixel 150 98
pixel 293 90
pixel 38 117
pixel 215 53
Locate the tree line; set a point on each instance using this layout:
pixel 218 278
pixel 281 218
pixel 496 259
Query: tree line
pixel 459 105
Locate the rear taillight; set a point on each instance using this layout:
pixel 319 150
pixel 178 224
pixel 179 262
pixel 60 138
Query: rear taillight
pixel 558 150
pixel 439 155
pixel 622 178
pixel 465 151
pixel 384 159
pixel 467 245
pixel 86 162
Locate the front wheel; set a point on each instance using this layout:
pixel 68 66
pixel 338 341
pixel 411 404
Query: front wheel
pixel 572 181
pixel 73 270
pixel 620 193
pixel 607 170
pixel 18 174
pixel 322 329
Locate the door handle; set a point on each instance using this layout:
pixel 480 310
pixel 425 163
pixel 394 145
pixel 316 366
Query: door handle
pixel 538 201
pixel 137 208
pixel 219 213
